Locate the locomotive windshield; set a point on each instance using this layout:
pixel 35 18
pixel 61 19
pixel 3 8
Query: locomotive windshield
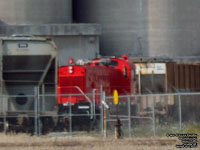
pixel 113 63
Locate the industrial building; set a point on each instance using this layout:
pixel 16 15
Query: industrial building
pixel 164 29
pixel 37 36
pixel 50 18
pixel 138 28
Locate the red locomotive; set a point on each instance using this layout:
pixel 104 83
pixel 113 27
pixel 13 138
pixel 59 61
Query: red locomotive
pixel 82 78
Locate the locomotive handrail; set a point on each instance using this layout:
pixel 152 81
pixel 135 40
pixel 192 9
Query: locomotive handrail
pixel 88 99
pixel 83 93
pixel 79 89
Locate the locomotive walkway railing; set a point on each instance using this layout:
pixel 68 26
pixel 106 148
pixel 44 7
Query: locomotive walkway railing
pixel 85 96
pixel 88 99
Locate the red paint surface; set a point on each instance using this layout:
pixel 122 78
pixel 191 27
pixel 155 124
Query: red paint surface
pixel 92 75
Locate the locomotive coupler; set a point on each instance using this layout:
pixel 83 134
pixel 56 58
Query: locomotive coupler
pixel 118 131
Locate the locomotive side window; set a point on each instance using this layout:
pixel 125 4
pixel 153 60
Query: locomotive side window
pixel 114 63
pixel 125 71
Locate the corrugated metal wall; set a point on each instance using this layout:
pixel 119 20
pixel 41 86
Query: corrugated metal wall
pixel 182 77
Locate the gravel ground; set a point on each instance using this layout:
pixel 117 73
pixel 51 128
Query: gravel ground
pixel 22 142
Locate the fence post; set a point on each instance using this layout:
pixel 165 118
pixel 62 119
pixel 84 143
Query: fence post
pixel 36 111
pixel 104 117
pixel 154 126
pixel 4 114
pixel 129 116
pixel 101 106
pixel 180 111
pixel 70 116
pixel 94 103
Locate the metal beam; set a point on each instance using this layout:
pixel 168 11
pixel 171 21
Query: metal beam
pixel 22 71
pixel 21 81
pixel 26 81
pixel 45 71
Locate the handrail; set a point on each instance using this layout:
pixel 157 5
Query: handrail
pixel 91 106
pixel 83 94
pixel 87 98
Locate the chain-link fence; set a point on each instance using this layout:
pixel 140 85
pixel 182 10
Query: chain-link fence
pixel 156 114
pixel 67 115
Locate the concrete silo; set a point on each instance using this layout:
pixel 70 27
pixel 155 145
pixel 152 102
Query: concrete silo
pixel 167 28
pixel 124 24
pixel 50 18
pixel 15 12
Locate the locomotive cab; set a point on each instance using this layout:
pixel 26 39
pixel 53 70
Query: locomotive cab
pixel 124 78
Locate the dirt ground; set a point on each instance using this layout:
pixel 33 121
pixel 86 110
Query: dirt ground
pixel 22 142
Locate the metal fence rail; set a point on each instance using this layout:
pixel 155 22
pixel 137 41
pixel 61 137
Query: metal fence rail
pixel 141 115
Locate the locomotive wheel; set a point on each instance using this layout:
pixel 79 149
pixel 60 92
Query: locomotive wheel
pixel 47 125
pixel 7 126
pixel 93 124
pixel 81 123
pixel 11 124
pixel 60 126
pixel 28 125
pixel 1 125
pixel 66 124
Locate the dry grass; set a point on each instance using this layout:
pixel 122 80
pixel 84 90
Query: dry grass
pixel 22 142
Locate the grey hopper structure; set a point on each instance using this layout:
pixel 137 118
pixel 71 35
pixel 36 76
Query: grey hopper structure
pixel 28 63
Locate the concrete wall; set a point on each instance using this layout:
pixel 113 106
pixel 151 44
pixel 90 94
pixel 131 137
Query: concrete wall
pixel 50 18
pixel 15 12
pixel 124 24
pixel 76 47
pixel 80 41
pixel 174 28
pixel 168 28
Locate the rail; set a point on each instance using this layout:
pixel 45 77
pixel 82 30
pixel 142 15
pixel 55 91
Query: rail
pixel 86 97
